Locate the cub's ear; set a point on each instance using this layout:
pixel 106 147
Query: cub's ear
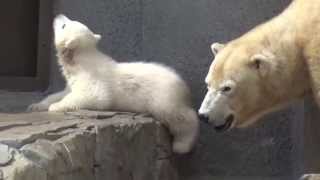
pixel 72 43
pixel 97 37
pixel 216 47
pixel 262 63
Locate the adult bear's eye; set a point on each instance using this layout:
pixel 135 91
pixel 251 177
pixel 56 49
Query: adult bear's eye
pixel 63 26
pixel 226 89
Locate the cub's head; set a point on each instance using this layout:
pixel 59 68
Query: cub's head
pixel 239 85
pixel 72 34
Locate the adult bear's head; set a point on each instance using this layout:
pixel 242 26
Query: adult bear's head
pixel 248 79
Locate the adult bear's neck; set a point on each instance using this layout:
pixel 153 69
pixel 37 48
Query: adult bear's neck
pixel 285 36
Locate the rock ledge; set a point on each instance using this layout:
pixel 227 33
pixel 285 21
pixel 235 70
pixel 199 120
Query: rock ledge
pixel 84 145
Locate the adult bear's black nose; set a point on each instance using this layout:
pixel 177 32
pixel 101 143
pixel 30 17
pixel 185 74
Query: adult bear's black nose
pixel 204 118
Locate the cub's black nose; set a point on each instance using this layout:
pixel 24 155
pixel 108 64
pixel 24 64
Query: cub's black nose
pixel 204 118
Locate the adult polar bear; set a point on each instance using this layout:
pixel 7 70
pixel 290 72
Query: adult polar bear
pixel 99 82
pixel 265 69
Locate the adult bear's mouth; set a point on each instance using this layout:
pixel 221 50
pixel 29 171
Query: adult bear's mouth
pixel 226 125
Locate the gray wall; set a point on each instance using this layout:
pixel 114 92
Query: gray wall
pixel 179 33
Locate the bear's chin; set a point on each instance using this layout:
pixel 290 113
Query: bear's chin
pixel 227 125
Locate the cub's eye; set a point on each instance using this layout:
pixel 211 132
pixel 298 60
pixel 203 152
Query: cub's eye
pixel 63 26
pixel 226 89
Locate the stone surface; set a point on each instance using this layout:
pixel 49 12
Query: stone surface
pixel 5 155
pixel 84 145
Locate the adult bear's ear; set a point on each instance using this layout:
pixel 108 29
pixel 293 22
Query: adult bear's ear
pixel 216 47
pixel 263 63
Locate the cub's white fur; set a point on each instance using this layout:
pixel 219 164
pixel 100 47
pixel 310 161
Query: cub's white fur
pixel 98 82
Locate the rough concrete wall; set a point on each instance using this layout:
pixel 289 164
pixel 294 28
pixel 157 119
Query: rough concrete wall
pixel 311 138
pixel 178 33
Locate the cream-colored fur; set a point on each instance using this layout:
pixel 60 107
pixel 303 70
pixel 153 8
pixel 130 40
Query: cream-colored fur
pixel 100 83
pixel 265 69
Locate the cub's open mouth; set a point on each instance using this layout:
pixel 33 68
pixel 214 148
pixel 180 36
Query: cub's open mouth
pixel 226 125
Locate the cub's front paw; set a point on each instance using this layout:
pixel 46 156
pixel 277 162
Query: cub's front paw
pixel 54 108
pixel 58 107
pixel 37 107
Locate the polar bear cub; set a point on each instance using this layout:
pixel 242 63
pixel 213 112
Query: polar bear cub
pixel 98 82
